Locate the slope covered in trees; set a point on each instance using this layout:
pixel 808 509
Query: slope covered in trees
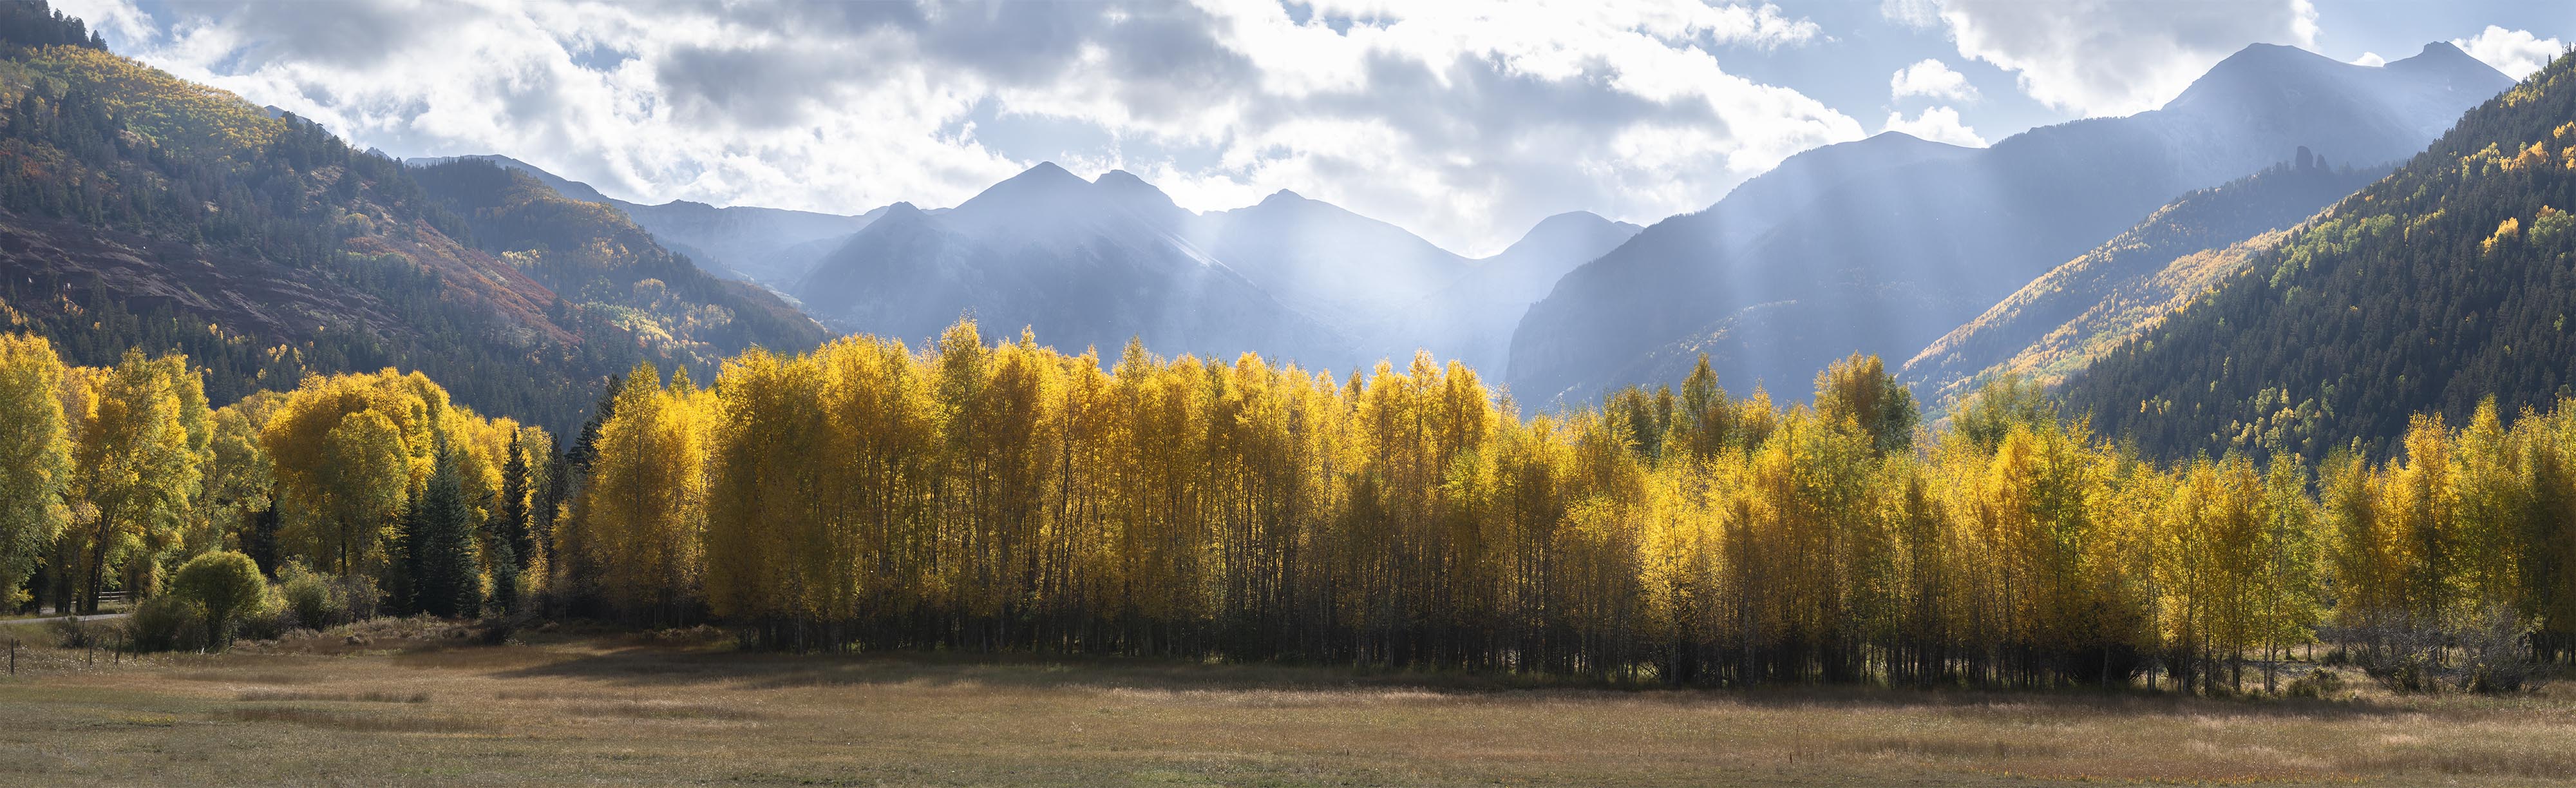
pixel 2061 321
pixel 770 246
pixel 139 210
pixel 2445 283
pixel 594 256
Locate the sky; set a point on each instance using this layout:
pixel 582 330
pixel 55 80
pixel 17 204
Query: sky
pixel 1465 122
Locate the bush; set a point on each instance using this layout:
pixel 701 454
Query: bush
pixel 226 587
pixel 2493 653
pixel 271 622
pixel 2319 683
pixel 167 623
pixel 2483 651
pixel 70 632
pixel 312 601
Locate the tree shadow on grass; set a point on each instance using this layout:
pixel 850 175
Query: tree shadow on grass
pixel 666 666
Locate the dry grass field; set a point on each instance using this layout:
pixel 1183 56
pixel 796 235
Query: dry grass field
pixel 416 703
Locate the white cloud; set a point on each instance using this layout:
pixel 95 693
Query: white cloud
pixel 2371 59
pixel 1464 122
pixel 2109 57
pixel 1932 78
pixel 1938 124
pixel 2517 53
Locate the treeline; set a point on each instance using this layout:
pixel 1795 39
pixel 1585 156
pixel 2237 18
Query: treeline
pixel 1009 497
pixel 111 478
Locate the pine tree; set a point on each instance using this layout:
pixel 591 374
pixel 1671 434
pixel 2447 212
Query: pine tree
pixel 510 516
pixel 442 547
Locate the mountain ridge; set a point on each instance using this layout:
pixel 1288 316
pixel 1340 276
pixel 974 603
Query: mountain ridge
pixel 1913 241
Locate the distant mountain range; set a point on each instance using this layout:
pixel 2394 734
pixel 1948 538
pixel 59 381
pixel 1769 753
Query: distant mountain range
pixel 1093 263
pixel 769 246
pixel 1886 244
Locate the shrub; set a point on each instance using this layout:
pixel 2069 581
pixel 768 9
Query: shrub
pixel 2486 650
pixel 2493 657
pixel 2319 683
pixel 70 632
pixel 312 601
pixel 226 587
pixel 271 622
pixel 167 623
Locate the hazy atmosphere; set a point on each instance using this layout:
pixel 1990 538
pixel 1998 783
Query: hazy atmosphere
pixel 1676 393
pixel 1463 122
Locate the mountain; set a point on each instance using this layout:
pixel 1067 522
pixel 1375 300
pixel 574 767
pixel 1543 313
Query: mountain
pixel 594 256
pixel 1885 244
pixel 1084 263
pixel 1350 271
pixel 143 211
pixel 2067 317
pixel 1472 318
pixel 769 246
pixel 2445 283
pixel 1096 262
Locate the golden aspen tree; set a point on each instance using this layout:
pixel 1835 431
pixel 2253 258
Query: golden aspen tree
pixel 241 478
pixel 2291 577
pixel 1859 390
pixel 137 466
pixel 350 452
pixel 645 506
pixel 35 459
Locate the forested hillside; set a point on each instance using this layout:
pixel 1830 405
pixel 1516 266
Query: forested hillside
pixel 2061 321
pixel 141 211
pixel 594 256
pixel 2446 283
pixel 769 246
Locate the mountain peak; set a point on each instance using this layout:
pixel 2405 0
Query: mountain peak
pixel 2265 57
pixel 1572 228
pixel 1283 195
pixel 2444 48
pixel 1041 185
pixel 1120 178
pixel 2441 56
pixel 1126 186
pixel 1045 172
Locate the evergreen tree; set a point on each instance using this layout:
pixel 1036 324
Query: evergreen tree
pixel 449 583
pixel 510 515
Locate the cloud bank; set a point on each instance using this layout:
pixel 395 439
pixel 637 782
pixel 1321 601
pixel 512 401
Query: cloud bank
pixel 1466 123
pixel 2517 53
pixel 2108 57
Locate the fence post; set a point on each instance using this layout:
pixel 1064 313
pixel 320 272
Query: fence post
pixel 13 656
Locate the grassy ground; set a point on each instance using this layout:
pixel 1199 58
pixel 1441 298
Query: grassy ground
pixel 410 703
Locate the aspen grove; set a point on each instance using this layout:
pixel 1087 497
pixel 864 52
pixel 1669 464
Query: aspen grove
pixel 1006 496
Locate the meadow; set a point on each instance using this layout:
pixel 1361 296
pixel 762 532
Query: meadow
pixel 420 702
